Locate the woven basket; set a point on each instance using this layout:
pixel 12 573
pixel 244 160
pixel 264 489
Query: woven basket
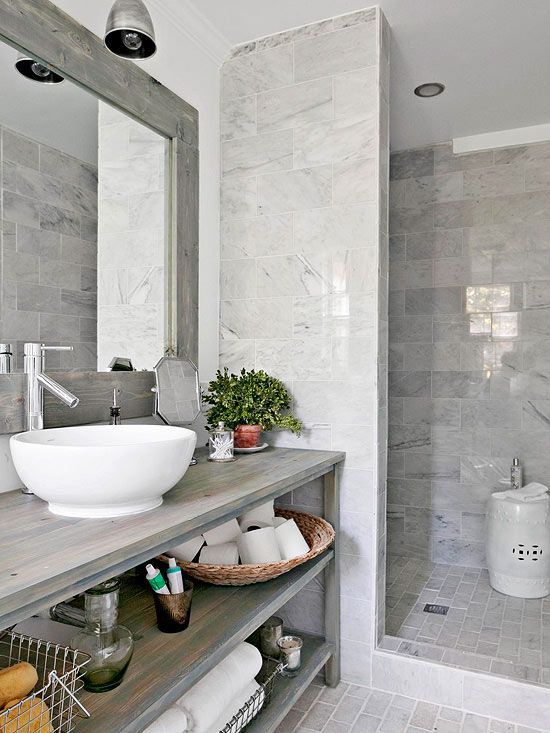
pixel 317 532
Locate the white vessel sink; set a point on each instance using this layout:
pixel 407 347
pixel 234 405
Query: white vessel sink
pixel 102 470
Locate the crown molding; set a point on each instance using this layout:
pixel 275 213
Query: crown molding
pixel 193 24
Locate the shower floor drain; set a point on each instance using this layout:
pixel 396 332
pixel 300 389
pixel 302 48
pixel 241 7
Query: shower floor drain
pixel 435 608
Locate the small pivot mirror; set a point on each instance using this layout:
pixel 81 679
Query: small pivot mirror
pixel 177 392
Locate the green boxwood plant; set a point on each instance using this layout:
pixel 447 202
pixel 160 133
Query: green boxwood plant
pixel 250 398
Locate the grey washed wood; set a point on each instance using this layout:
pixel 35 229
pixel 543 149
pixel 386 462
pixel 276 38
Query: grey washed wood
pixel 165 666
pixel 41 29
pixel 94 389
pixel 332 578
pixel 83 552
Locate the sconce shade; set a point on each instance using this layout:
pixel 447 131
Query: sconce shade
pixel 36 71
pixel 129 32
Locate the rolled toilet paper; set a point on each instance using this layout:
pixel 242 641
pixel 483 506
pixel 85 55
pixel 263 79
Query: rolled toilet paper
pixel 224 533
pixel 227 554
pixel 251 524
pixel 187 551
pixel 252 689
pixel 258 546
pixel 263 513
pixel 290 540
pixel 172 720
pixel 277 521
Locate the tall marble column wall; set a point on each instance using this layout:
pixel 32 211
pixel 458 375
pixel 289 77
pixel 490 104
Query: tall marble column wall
pixel 303 280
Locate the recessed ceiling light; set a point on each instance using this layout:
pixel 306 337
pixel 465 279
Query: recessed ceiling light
pixel 431 89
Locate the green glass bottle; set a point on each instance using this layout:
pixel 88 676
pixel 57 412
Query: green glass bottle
pixel 109 645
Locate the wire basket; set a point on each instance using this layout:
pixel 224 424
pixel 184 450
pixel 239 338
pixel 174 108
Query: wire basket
pixel 54 707
pixel 271 669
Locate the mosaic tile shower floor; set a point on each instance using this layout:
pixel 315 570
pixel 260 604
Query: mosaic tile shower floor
pixel 353 709
pixel 483 629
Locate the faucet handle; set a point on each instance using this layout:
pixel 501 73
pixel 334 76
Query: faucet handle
pixel 43 347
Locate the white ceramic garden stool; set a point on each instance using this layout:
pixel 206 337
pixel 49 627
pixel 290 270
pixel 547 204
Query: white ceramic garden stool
pixel 518 541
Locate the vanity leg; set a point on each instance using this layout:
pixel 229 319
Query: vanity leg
pixel 332 578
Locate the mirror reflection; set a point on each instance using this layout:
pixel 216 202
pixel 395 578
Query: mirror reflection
pixel 83 225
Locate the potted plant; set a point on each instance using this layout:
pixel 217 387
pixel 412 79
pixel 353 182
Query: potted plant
pixel 249 403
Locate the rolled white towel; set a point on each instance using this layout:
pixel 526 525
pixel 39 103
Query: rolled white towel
pixel 227 554
pixel 290 540
pixel 259 546
pixel 172 720
pixel 263 513
pixel 223 533
pixel 239 702
pixel 527 493
pixel 187 551
pixel 209 698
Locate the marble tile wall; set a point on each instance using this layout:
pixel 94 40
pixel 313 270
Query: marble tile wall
pixel 48 234
pixel 303 268
pixel 131 246
pixel 469 341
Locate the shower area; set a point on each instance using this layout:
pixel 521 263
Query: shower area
pixel 469 390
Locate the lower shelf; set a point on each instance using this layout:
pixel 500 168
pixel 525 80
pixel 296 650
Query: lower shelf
pixel 287 690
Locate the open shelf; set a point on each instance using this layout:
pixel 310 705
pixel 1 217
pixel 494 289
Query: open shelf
pixel 288 690
pixel 165 666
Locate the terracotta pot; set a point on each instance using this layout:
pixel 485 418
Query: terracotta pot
pixel 247 436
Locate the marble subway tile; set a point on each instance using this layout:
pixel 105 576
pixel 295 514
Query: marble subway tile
pixel 463 270
pixel 338 52
pixel 411 329
pixel 264 235
pixel 466 497
pixel 79 303
pixel 20 266
pixel 412 163
pixel 537 294
pixel 261 318
pixel 146 210
pixel 237 354
pixel 355 93
pixel 354 181
pixel 431 301
pixel 335 229
pixel 445 161
pixel 434 245
pixel 78 252
pixel 459 552
pixel 300 359
pixel 56 327
pixel 321 401
pixel 353 359
pixel 537 177
pixel 461 441
pixel 145 285
pixel 410 492
pixel 409 384
pixel 112 287
pixel 522 207
pixel 20 325
pixel 20 209
pixel 293 275
pixel 305 188
pixel 522 154
pixel 239 199
pixel 346 138
pixel 20 149
pixel 407 275
pixel 468 213
pixel 238 117
pixel 431 412
pixel 60 275
pixel 491 413
pixel 238 279
pixel 290 107
pixel 359 16
pixel 409 438
pixel 257 72
pixel 407 219
pixel 487 471
pixel 430 189
pixel 32 297
pixel 432 467
pixel 464 385
pixel 334 315
pixel 259 154
pixel 494 181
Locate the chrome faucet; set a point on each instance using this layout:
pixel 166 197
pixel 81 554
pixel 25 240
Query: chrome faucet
pixel 38 381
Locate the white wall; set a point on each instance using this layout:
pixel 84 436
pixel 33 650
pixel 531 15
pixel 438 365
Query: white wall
pixel 190 71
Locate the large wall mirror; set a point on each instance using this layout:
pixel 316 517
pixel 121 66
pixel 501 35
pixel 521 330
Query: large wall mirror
pixel 99 218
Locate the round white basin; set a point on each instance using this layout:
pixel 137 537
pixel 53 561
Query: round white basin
pixel 102 470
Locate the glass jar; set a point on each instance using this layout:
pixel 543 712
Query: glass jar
pixel 220 444
pixel 109 645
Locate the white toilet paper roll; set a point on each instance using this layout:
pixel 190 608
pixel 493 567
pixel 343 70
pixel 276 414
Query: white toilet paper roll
pixel 277 521
pixel 259 546
pixel 187 551
pixel 254 524
pixel 290 540
pixel 172 720
pixel 263 513
pixel 227 554
pixel 226 532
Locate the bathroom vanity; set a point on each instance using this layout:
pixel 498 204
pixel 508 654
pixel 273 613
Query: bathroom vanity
pixel 79 553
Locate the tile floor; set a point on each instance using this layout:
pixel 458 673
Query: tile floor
pixel 483 629
pixel 353 709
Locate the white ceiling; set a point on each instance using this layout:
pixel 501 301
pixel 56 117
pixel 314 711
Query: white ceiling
pixel 61 115
pixel 493 56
